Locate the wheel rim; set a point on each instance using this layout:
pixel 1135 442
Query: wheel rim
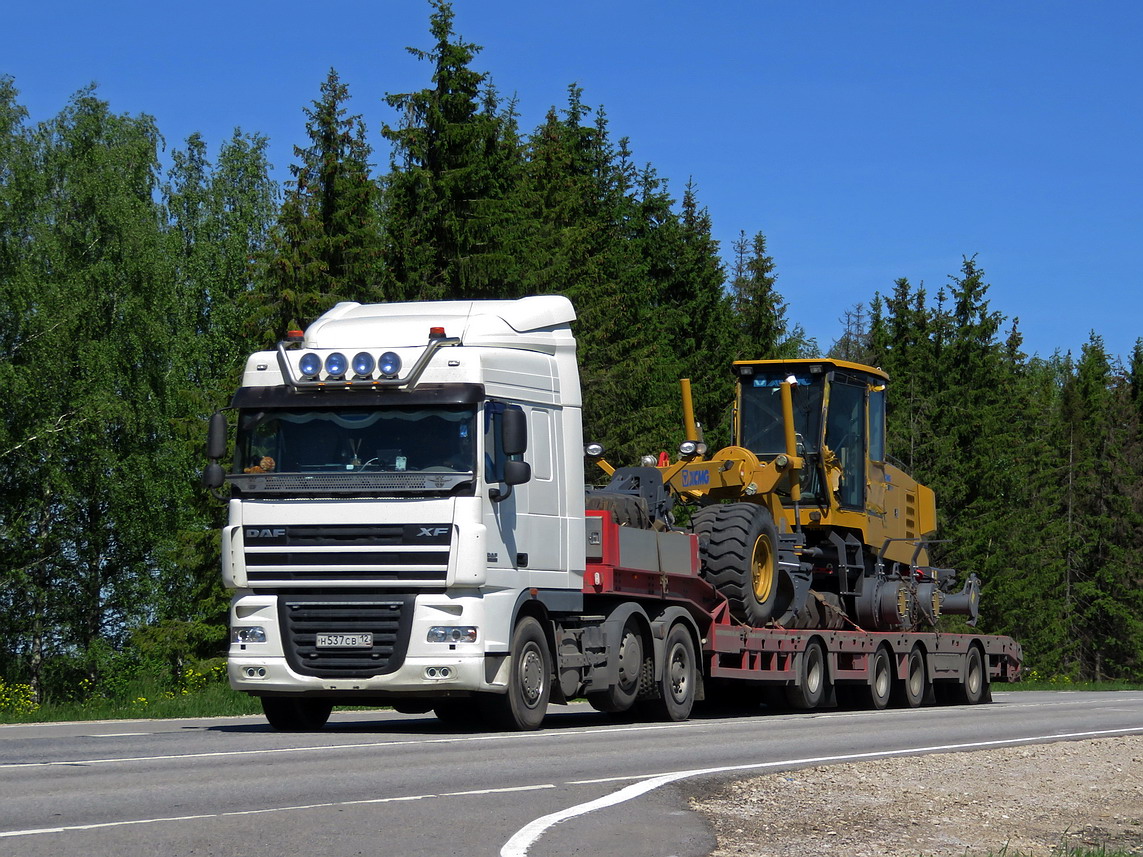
pixel 916 676
pixel 679 674
pixel 762 569
pixel 630 661
pixel 973 680
pixel 531 675
pixel 881 676
pixel 814 670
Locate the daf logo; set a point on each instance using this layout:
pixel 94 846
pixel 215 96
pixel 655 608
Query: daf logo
pixel 431 532
pixel 265 533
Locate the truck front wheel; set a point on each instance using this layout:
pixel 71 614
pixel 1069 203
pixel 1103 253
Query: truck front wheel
pixel 296 715
pixel 523 707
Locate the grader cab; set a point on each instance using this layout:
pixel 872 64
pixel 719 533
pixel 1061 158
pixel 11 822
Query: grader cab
pixel 803 522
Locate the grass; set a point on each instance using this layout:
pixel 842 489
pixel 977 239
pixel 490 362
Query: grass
pixel 213 700
pixel 1065 850
pixel 1067 684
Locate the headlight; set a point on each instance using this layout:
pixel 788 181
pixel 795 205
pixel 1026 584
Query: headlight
pixel 452 634
pixel 309 365
pixel 389 364
pixel 251 634
pixel 336 364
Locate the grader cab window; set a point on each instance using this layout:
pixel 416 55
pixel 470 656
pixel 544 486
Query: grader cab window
pixel 877 423
pixel 845 439
pixel 762 429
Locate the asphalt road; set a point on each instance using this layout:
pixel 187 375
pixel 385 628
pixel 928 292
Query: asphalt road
pixel 380 783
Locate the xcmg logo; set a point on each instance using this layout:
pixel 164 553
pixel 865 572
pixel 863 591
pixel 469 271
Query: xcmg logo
pixel 265 533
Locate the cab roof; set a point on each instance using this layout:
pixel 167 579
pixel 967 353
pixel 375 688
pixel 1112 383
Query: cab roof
pixel 825 366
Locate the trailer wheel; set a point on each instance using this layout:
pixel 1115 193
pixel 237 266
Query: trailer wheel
pixel 740 558
pixel 523 707
pixel 621 696
pixel 877 691
pixel 679 679
pixel 973 688
pixel 813 679
pixel 296 715
pixel 910 692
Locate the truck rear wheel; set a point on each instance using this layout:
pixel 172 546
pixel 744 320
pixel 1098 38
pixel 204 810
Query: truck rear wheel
pixel 621 696
pixel 739 547
pixel 296 715
pixel 523 707
pixel 679 680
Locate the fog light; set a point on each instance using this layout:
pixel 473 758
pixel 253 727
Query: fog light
pixel 363 364
pixel 336 364
pixel 310 365
pixel 452 634
pixel 389 364
pixel 254 634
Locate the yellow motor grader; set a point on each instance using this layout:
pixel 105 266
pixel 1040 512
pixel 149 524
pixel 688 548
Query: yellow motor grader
pixel 803 522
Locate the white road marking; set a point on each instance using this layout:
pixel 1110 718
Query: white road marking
pixel 529 834
pixel 118 734
pixel 235 813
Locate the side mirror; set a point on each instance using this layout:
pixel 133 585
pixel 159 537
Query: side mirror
pixel 515 429
pixel 517 472
pixel 513 441
pixel 213 476
pixel 216 436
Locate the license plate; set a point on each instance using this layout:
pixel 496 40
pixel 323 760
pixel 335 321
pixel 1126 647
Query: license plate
pixel 345 641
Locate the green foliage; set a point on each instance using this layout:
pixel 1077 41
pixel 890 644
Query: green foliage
pixel 326 244
pixel 1036 468
pixel 131 297
pixel 448 218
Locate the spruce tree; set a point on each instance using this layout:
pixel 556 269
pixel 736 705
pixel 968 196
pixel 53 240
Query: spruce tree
pixel 326 246
pixel 450 189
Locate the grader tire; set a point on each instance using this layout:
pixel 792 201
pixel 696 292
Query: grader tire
pixel 739 552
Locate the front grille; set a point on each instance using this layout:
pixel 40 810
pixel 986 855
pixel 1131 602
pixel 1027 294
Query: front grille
pixel 417 553
pixel 388 619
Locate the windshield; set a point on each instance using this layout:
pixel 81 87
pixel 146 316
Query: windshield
pixel 357 440
pixel 761 426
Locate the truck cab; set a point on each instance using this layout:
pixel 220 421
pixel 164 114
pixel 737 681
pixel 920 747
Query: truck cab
pixel 384 531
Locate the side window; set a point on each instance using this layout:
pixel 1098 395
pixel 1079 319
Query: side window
pixel 877 424
pixel 845 436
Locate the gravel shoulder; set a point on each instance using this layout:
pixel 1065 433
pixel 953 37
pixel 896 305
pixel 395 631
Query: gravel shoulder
pixel 1030 799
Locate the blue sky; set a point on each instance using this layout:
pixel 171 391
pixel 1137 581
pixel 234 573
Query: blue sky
pixel 867 141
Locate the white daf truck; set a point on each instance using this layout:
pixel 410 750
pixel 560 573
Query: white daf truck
pixel 407 527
